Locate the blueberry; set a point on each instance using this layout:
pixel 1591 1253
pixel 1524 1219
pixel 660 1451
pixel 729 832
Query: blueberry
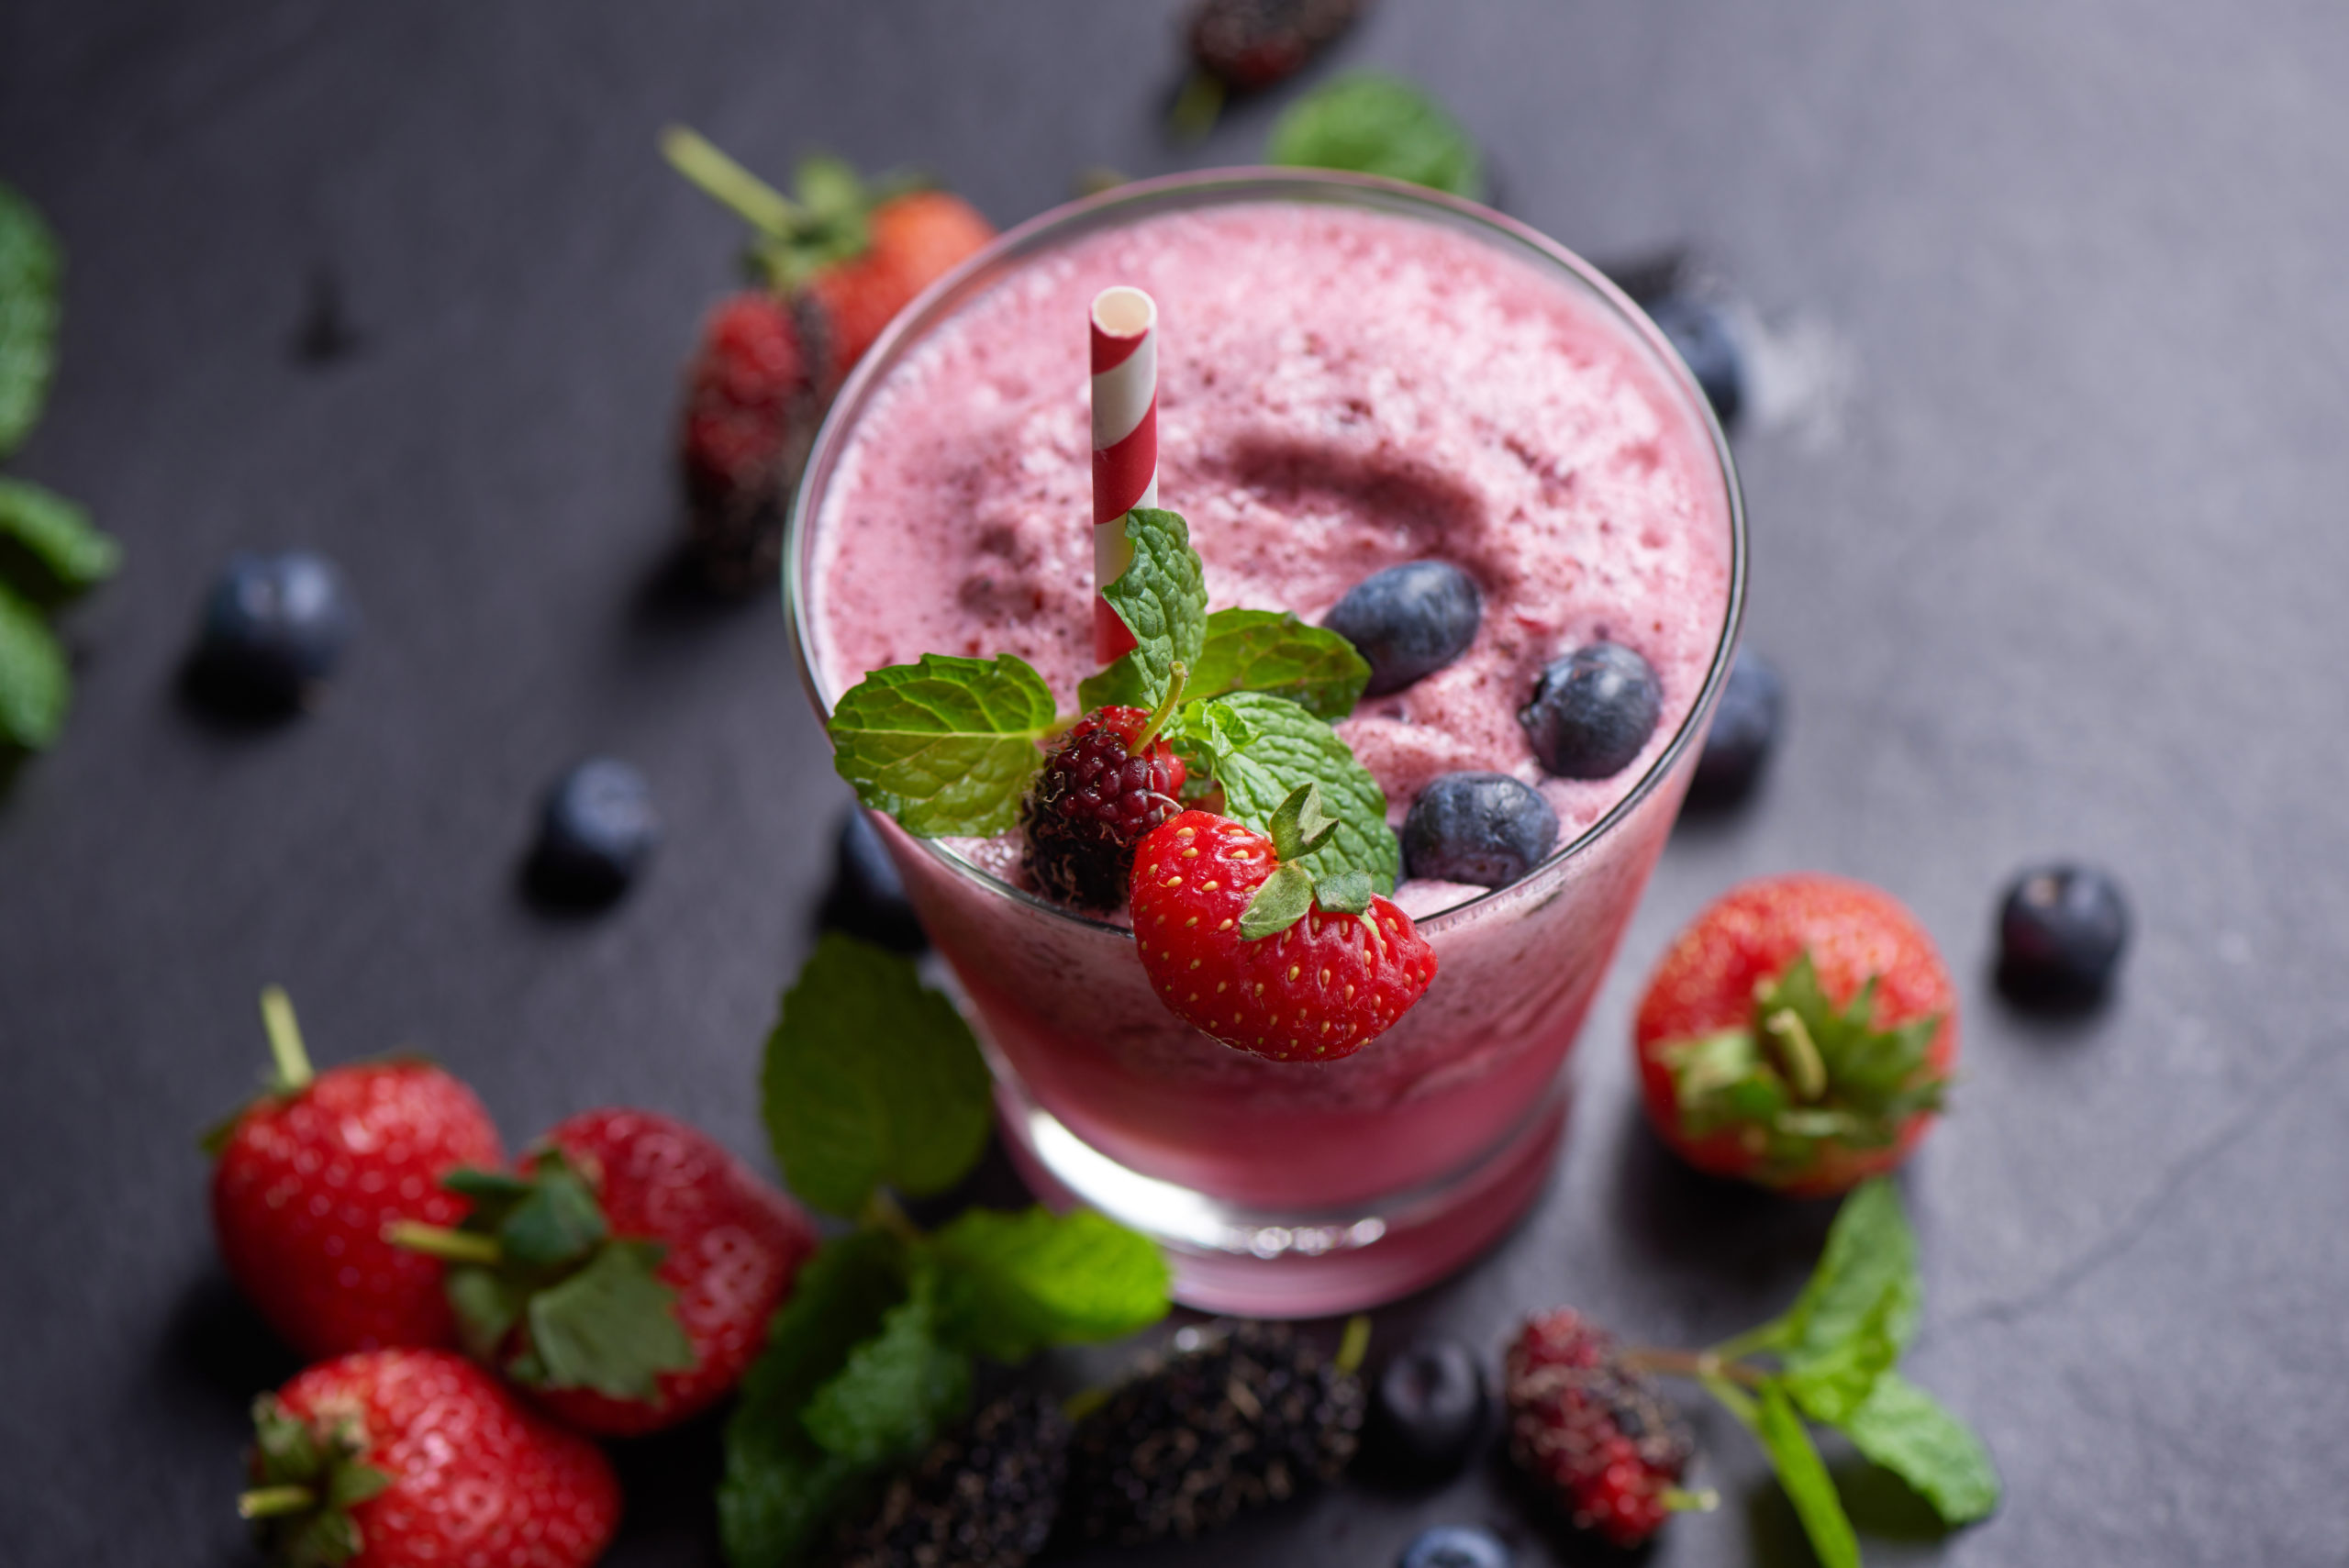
pixel 1456 1546
pixel 2060 931
pixel 1428 1414
pixel 1701 334
pixel 1409 621
pixel 1746 726
pixel 867 898
pixel 274 628
pixel 1482 827
pixel 596 832
pixel 1592 711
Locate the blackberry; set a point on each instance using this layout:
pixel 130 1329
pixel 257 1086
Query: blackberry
pixel 1595 1431
pixel 751 412
pixel 1241 1415
pixel 1092 803
pixel 983 1496
pixel 1249 45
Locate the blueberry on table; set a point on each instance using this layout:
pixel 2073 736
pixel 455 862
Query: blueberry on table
pixel 596 830
pixel 1409 621
pixel 1455 1546
pixel 867 898
pixel 1592 711
pixel 1486 828
pixel 2062 929
pixel 1745 727
pixel 274 629
pixel 1428 1413
pixel 1702 335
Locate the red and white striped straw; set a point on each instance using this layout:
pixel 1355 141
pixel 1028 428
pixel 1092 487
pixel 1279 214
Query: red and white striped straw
pixel 1125 444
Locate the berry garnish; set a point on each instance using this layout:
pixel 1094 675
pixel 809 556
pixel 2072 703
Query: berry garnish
pixel 1594 1429
pixel 1428 1413
pixel 1093 801
pixel 1249 45
pixel 1239 1417
pixel 915 239
pixel 274 631
pixel 751 407
pixel 1455 1546
pixel 1592 711
pixel 867 898
pixel 310 1177
pixel 626 1274
pixel 1486 828
pixel 1801 1033
pixel 1281 972
pixel 1700 333
pixel 1745 727
pixel 984 1496
pixel 400 1458
pixel 2062 929
pixel 596 832
pixel 1409 621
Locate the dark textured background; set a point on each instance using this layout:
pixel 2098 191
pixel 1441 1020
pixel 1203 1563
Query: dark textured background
pixel 2066 579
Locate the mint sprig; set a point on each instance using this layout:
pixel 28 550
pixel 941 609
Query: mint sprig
pixel 1835 1352
pixel 32 267
pixel 1262 750
pixel 1251 650
pixel 946 744
pixel 1161 596
pixel 875 1353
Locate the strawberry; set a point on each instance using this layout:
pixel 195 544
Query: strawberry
pixel 1799 1033
pixel 404 1458
pixel 1316 987
pixel 309 1175
pixel 626 1275
pixel 916 239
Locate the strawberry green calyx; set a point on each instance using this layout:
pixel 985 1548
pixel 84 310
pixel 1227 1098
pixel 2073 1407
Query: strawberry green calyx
pixel 1802 1072
pixel 792 239
pixel 543 1291
pixel 290 1072
pixel 310 1477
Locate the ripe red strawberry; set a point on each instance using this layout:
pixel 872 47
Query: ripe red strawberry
pixel 309 1175
pixel 628 1275
pixel 750 410
pixel 916 239
pixel 1595 1431
pixel 1091 802
pixel 1320 989
pixel 1801 1033
pixel 410 1458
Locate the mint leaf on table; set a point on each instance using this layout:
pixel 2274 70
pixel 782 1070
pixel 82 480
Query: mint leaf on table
pixel 871 1078
pixel 1161 596
pixel 1859 1309
pixel 1021 1282
pixel 895 1389
pixel 35 686
pixel 1252 651
pixel 30 266
pixel 1371 123
pixel 1261 748
pixel 54 536
pixel 945 745
pixel 781 1490
pixel 1904 1430
pixel 1804 1475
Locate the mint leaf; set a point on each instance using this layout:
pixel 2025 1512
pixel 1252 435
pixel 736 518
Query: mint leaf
pixel 944 745
pixel 1865 1281
pixel 1261 749
pixel 871 1077
pixel 1376 124
pixel 1804 1475
pixel 612 1327
pixel 1252 651
pixel 781 1492
pixel 30 265
pixel 1162 598
pixel 55 536
pixel 1022 1282
pixel 1904 1430
pixel 34 685
pixel 897 1389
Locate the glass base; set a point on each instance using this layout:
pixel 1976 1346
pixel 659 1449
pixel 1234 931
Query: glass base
pixel 1258 1263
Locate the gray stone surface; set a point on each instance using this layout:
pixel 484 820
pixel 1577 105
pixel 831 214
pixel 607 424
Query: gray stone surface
pixel 2059 573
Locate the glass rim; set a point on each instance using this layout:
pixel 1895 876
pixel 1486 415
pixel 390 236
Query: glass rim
pixel 1212 187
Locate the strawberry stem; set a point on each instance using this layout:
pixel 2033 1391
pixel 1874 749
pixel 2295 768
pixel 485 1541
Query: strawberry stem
pixel 438 1242
pixel 732 187
pixel 274 1502
pixel 1804 1068
pixel 284 1041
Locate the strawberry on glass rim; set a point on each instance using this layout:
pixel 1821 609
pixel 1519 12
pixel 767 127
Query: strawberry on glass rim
pixel 1799 1034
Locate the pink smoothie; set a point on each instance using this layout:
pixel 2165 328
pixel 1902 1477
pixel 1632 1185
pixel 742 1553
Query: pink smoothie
pixel 1340 391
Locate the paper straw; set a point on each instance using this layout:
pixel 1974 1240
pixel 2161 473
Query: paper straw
pixel 1125 444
